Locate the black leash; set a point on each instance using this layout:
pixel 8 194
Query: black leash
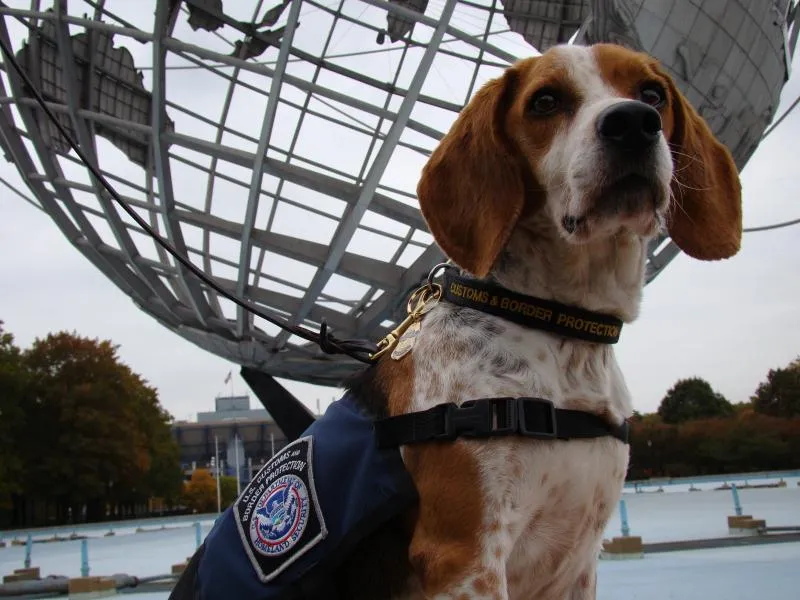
pixel 495 417
pixel 361 350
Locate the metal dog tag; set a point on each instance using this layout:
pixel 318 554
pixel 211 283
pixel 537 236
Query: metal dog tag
pixel 406 342
pixel 429 304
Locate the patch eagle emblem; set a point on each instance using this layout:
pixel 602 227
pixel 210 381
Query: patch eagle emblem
pixel 278 514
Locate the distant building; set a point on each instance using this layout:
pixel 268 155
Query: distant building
pixel 230 408
pixel 234 426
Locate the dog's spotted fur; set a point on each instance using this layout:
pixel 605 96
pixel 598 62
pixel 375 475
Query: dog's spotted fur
pixel 513 518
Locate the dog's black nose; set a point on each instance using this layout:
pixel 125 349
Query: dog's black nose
pixel 629 125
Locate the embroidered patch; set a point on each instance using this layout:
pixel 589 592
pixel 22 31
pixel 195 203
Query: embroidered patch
pixel 278 515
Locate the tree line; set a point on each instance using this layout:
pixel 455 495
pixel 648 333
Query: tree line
pixel 697 431
pixel 82 437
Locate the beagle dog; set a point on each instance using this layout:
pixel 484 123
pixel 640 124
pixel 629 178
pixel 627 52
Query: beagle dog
pixel 549 187
pixel 551 183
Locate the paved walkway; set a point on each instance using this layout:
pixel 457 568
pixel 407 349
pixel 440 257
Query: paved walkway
pixel 745 573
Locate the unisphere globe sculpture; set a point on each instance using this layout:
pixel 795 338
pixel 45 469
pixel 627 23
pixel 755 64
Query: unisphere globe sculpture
pixel 278 144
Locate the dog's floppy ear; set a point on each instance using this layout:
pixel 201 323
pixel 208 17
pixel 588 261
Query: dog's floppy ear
pixel 471 192
pixel 706 218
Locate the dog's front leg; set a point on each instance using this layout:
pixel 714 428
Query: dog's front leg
pixel 443 575
pixel 585 587
pixel 459 547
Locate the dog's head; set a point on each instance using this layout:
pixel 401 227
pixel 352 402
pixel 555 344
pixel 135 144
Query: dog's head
pixel 601 140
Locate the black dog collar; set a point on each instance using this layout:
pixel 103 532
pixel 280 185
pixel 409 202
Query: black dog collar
pixel 529 311
pixel 492 417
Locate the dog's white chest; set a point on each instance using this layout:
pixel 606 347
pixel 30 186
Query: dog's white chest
pixel 546 503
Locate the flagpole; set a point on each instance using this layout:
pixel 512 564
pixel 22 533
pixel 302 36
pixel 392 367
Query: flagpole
pixel 216 461
pixel 238 472
pixel 229 379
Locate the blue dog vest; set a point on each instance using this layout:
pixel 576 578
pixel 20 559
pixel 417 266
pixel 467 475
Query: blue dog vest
pixel 301 514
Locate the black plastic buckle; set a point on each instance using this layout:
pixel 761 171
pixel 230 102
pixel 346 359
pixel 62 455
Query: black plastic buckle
pixel 479 418
pixel 537 418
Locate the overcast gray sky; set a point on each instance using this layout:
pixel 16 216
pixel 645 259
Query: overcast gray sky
pixel 729 322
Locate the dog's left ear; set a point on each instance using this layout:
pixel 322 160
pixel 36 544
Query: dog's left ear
pixel 706 218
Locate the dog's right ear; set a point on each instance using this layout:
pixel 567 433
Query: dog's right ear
pixel 471 192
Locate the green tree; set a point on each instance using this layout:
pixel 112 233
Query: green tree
pixel 691 399
pixel 95 434
pixel 160 460
pixel 165 476
pixel 227 486
pixel 650 443
pixel 13 378
pixel 779 395
pixel 746 442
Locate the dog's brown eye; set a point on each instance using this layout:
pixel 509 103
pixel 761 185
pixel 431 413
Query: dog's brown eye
pixel 544 102
pixel 652 94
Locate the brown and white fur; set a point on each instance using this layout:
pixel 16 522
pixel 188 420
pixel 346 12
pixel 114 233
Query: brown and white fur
pixel 513 518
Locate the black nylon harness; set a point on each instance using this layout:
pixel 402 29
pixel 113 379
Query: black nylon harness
pixel 534 418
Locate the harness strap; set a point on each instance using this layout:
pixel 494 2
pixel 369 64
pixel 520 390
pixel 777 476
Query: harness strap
pixel 493 417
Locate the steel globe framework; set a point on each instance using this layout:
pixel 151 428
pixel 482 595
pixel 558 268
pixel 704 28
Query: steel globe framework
pixel 278 145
